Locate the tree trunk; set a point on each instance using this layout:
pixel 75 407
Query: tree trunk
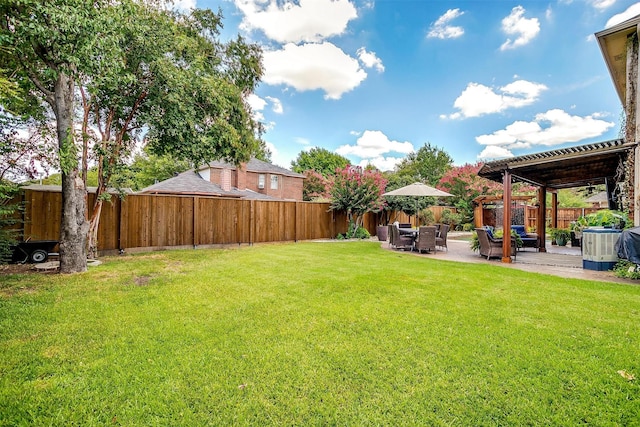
pixel 74 225
pixel 94 223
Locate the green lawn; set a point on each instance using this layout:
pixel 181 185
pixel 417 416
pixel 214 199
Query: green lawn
pixel 340 333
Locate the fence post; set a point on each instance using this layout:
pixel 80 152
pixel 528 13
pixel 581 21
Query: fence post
pixel 295 222
pixel 252 221
pixel 195 224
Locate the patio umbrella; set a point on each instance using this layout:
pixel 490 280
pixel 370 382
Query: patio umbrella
pixel 418 189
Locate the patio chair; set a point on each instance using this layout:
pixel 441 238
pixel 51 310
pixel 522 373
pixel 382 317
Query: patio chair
pixel 401 241
pixel 492 247
pixel 529 240
pixel 426 239
pixel 441 239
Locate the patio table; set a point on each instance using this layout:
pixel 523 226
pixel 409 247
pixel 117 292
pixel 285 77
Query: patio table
pixel 413 232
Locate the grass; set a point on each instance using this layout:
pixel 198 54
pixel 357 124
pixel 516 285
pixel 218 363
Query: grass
pixel 339 333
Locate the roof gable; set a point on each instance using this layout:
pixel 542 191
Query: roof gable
pixel 192 184
pixel 255 165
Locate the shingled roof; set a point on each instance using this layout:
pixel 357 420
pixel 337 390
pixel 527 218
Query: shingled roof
pixel 192 184
pixel 255 165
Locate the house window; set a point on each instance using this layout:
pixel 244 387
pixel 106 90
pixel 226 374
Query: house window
pixel 274 182
pixel 261 181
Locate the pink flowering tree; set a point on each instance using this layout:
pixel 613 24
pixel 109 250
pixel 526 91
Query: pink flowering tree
pixel 315 186
pixel 465 184
pixel 357 192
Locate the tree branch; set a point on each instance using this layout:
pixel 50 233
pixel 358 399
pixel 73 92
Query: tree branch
pixel 49 95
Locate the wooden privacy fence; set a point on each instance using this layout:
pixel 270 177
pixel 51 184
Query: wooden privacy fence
pixel 565 216
pixel 162 221
pixel 158 221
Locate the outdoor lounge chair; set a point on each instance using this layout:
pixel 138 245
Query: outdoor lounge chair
pixel 426 239
pixel 401 241
pixel 529 240
pixel 492 247
pixel 441 237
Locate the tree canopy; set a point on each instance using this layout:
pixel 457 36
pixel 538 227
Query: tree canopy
pixel 321 160
pixel 140 70
pixel 357 191
pixel 427 165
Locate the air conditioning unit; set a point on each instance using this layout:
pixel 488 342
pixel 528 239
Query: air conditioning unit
pixel 599 248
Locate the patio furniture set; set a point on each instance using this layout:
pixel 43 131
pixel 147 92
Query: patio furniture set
pixel 421 239
pixel 491 246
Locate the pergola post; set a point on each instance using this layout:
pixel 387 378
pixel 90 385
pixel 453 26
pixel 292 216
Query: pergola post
pixel 554 210
pixel 506 217
pixel 541 226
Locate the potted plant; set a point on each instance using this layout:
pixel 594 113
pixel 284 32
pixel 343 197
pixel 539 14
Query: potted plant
pixel 382 229
pixel 560 235
pixel 606 218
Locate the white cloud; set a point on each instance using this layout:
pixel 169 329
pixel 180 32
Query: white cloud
pixel 477 99
pixel 373 144
pixel 631 11
pixel 313 66
pixel 304 141
pixel 370 60
pixel 382 163
pixel 553 127
pixel 257 104
pixel 299 21
pixel 184 5
pixel 441 28
pixel 276 105
pixel 517 25
pixel 493 152
pixel 602 4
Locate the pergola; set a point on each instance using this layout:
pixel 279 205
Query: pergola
pixel 599 163
pixel 549 171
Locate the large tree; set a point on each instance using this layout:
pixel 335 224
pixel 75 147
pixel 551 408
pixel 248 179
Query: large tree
pixel 46 47
pixel 321 160
pixel 182 85
pixel 427 165
pixel 136 67
pixel 320 167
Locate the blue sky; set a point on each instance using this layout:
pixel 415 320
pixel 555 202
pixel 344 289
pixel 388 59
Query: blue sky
pixel 374 80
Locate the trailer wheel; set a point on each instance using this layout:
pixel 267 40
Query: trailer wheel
pixel 39 255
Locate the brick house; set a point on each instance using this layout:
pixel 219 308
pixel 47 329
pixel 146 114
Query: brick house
pixel 252 180
pixel 256 176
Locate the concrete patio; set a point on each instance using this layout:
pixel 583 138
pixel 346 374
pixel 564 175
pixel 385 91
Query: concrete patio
pixel 557 261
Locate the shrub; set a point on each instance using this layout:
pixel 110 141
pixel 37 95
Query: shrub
pixel 427 217
pixel 474 243
pixel 354 232
pixel 626 269
pixel 8 217
pixel 606 218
